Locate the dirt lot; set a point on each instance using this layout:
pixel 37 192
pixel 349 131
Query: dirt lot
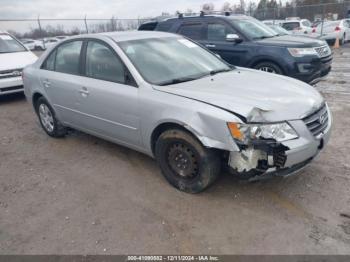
pixel 82 195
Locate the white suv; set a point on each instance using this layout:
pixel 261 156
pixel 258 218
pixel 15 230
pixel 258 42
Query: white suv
pixel 14 56
pixel 298 27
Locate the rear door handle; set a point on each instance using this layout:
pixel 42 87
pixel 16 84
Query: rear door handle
pixel 84 92
pixel 46 83
pixel 210 45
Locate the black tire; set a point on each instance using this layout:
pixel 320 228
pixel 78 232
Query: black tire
pixel 185 162
pixel 57 130
pixel 269 65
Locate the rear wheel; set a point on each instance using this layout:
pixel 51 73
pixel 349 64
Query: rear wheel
pixel 269 67
pixel 185 162
pixel 48 119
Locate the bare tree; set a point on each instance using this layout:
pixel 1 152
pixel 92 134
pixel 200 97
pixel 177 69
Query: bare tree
pixel 226 7
pixel 208 7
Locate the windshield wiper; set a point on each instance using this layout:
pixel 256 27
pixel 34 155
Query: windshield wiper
pixel 176 81
pixel 214 72
pixel 263 37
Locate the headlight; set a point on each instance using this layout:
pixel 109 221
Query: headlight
pixel 299 52
pixel 246 132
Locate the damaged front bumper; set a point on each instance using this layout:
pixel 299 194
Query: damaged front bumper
pixel 265 158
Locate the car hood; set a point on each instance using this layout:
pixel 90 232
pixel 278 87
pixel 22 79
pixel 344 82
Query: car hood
pixel 291 41
pixel 16 60
pixel 257 96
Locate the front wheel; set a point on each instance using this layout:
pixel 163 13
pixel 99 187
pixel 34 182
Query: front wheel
pixel 48 119
pixel 269 67
pixel 185 162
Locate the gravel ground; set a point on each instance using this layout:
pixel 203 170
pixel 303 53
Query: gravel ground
pixel 82 195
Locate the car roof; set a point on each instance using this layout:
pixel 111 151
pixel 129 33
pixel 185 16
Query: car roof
pixel 128 35
pixel 291 21
pixel 232 16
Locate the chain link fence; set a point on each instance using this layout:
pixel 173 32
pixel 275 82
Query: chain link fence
pixel 41 28
pixel 316 12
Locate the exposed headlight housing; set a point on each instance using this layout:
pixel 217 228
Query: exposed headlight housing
pixel 247 132
pixel 300 52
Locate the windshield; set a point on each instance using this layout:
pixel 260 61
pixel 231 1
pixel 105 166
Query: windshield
pixel 253 28
pixel 10 45
pixel 171 60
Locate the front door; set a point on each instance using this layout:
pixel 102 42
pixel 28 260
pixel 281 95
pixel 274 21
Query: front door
pixel 215 40
pixel 107 101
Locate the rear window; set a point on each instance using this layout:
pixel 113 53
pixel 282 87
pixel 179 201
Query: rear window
pixel 290 25
pixel 306 23
pixel 148 26
pixel 165 26
pixel 193 31
pixel 10 45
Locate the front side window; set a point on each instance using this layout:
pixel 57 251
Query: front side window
pixel 102 63
pixel 193 31
pixel 10 45
pixel 218 32
pixel 171 60
pixel 67 57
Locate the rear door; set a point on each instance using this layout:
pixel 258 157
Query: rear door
pixel 61 79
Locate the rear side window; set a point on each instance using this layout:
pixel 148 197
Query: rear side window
pixel 102 63
pixel 193 31
pixel 290 25
pixel 218 31
pixel 67 58
pixel 306 23
pixel 165 26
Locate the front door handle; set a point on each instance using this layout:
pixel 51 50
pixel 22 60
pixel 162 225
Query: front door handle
pixel 210 45
pixel 84 92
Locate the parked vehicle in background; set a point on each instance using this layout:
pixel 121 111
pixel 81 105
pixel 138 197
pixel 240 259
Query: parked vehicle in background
pixel 48 42
pixel 14 56
pixel 170 98
pixel 32 44
pixel 244 41
pixel 148 26
pixel 332 30
pixel 298 27
pixel 28 43
pixel 273 22
pixel 62 37
pixel 279 30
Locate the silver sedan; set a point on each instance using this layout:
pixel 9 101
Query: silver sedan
pixel 166 96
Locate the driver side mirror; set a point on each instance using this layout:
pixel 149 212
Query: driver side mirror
pixel 233 38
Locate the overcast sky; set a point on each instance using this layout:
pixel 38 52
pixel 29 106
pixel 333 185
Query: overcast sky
pixel 17 9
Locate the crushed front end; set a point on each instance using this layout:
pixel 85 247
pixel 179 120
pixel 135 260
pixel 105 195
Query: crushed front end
pixel 279 148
